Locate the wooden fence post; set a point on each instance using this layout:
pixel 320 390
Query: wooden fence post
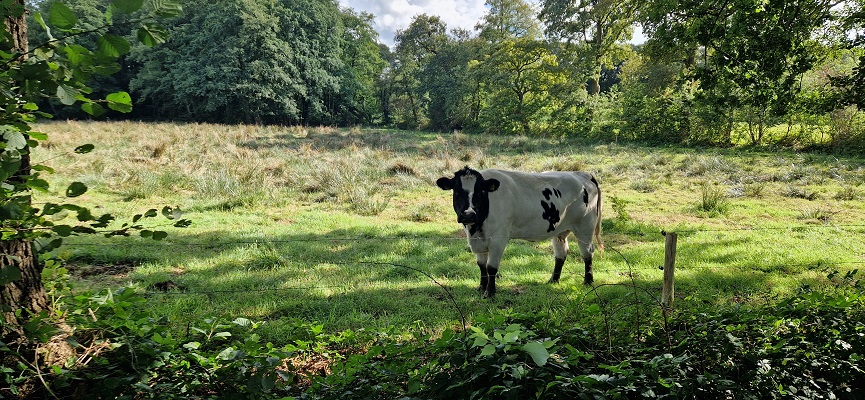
pixel 667 293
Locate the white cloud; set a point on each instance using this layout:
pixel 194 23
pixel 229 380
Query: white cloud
pixel 393 15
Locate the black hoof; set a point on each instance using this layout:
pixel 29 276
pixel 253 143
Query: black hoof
pixel 480 288
pixel 553 280
pixel 489 295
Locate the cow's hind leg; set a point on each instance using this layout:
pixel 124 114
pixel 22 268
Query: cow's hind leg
pixel 586 250
pixel 560 252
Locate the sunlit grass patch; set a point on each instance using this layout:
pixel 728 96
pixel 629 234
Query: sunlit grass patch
pixel 346 226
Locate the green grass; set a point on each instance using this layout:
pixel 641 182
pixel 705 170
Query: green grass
pixel 346 227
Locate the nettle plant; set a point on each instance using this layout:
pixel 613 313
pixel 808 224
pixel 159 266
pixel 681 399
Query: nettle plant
pixel 61 69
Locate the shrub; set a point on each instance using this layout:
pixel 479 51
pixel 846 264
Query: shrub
pixel 713 200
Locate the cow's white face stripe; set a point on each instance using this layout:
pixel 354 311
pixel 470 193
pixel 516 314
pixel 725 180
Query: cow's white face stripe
pixel 468 183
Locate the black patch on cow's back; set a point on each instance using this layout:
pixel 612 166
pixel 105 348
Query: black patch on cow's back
pixel 549 192
pixel 551 214
pixel 586 197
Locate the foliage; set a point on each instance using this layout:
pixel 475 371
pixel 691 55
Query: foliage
pixel 124 351
pixel 61 69
pixel 805 346
pixel 263 62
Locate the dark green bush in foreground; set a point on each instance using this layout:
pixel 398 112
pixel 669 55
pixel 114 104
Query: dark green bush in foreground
pixel 808 346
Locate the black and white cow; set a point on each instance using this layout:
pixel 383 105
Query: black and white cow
pixel 495 206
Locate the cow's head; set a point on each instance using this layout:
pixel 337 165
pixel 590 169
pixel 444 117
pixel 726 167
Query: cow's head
pixel 471 195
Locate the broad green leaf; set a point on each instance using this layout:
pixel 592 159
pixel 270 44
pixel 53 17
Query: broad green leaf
pixel 166 8
pixel 146 233
pixel 37 135
pixel 119 101
pixel 94 109
pixel 127 6
pixel 76 189
pixel 152 34
pixel 539 353
pixel 488 350
pixel 77 55
pixel 112 45
pixel 67 94
pixel 159 235
pixel 62 16
pixel 84 148
pixel 62 230
pixel 38 184
pixel 41 21
pixel 9 273
pixel 14 138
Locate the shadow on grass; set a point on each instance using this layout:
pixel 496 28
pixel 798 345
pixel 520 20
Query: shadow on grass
pixel 352 279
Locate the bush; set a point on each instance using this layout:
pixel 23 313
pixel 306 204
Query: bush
pixel 805 346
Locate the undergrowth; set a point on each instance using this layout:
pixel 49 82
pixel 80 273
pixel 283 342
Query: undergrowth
pixel 804 346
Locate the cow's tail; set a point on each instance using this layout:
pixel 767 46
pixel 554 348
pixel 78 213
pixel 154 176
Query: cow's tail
pixel 597 233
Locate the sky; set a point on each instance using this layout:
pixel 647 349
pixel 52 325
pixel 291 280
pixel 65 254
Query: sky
pixel 393 15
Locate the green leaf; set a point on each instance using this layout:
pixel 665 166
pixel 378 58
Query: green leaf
pixel 112 45
pixel 61 16
pixel 539 353
pixel 67 94
pixel 41 21
pixel 119 101
pixel 152 34
pixel 9 273
pixel 488 350
pixel 62 230
pixel 14 138
pixel 84 148
pixel 166 8
pixel 146 233
pixel 127 6
pixel 159 235
pixel 93 109
pixel 76 189
pixel 38 184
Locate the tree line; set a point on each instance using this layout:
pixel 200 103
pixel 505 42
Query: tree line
pixel 708 71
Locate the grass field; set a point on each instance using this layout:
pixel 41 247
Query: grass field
pixel 347 228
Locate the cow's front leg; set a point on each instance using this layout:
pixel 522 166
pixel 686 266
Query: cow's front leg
pixel 482 265
pixel 493 259
pixel 560 252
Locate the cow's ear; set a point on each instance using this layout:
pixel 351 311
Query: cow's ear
pixel 491 185
pixel 445 183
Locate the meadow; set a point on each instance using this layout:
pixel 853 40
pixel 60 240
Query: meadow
pixel 346 228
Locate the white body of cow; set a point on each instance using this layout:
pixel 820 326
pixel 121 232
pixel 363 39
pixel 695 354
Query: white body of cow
pixel 495 206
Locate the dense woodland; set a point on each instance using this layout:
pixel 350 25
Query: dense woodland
pixel 711 72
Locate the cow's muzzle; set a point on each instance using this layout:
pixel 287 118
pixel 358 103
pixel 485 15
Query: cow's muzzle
pixel 468 217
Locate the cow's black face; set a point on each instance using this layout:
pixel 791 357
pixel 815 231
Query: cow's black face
pixel 471 196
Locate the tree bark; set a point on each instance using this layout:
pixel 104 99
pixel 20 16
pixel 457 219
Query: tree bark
pixel 25 296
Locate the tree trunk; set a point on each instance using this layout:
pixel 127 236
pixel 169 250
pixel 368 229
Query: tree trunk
pixel 23 296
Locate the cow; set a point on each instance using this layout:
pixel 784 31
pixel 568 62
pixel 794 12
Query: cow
pixel 495 206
